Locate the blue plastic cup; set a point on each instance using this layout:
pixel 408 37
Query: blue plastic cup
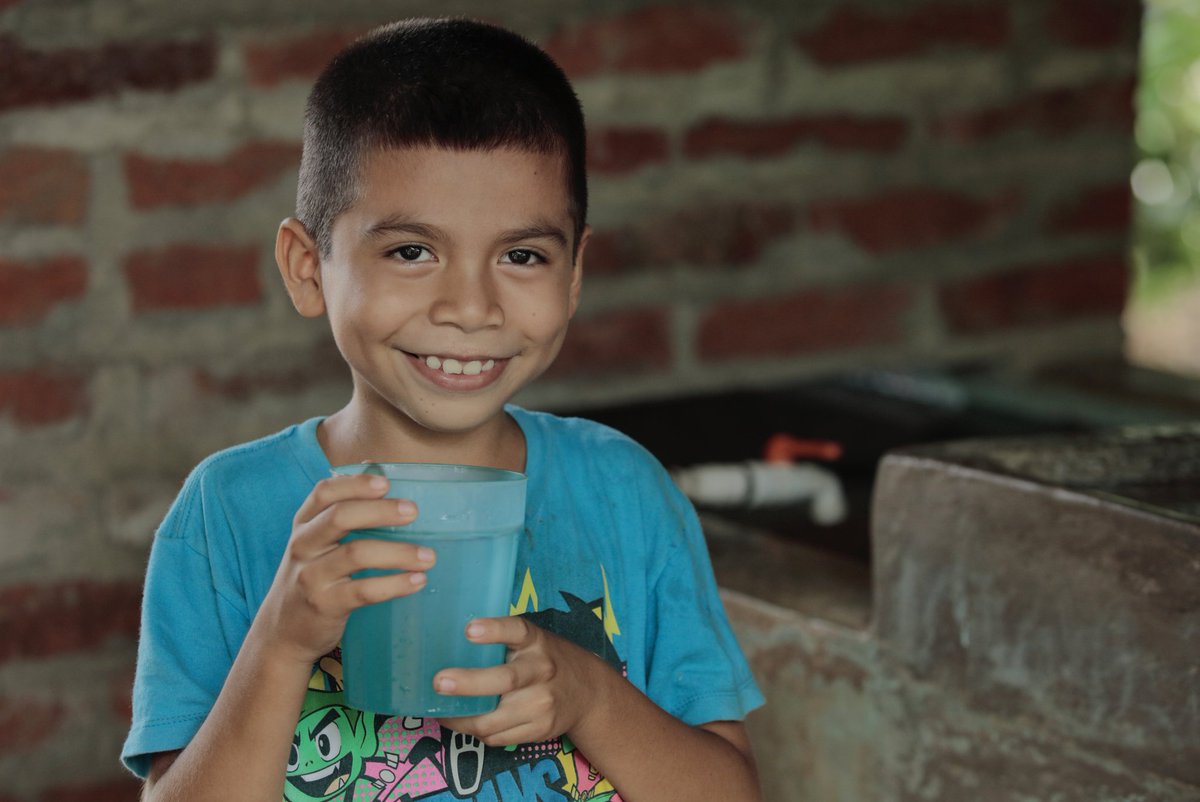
pixel 472 517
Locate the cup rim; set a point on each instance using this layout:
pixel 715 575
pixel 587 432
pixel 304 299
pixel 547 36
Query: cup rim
pixel 490 475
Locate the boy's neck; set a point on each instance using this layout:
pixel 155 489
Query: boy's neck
pixel 353 434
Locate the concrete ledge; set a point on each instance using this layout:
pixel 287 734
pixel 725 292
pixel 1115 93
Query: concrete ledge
pixel 1033 598
pixel 1034 634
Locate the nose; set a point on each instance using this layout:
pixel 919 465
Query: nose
pixel 467 299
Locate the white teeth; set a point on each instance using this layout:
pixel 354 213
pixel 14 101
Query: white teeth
pixel 454 367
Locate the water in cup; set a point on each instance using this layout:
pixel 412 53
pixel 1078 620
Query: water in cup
pixel 472 517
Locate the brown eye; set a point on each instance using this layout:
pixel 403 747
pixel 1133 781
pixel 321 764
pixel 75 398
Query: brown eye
pixel 522 256
pixel 409 253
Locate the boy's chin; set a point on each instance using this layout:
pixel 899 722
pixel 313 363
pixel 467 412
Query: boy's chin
pixel 459 418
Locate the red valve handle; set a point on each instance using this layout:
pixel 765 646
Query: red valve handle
pixel 782 447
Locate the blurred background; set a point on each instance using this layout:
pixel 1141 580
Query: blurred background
pixel 1163 319
pixel 877 223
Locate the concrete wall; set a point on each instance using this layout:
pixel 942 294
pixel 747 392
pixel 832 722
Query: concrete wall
pixel 1034 636
pixel 780 190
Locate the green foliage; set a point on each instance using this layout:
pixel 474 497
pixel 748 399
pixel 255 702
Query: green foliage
pixel 1167 177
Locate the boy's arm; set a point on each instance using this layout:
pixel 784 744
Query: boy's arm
pixel 648 754
pixel 242 748
pixel 550 686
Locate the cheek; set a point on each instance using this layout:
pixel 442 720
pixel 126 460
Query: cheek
pixel 546 321
pixel 544 310
pixel 375 307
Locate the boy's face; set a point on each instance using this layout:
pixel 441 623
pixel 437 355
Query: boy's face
pixel 450 281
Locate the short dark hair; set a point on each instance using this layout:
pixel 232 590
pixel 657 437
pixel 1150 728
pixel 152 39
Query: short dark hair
pixel 451 83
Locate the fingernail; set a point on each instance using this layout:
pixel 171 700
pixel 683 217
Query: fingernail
pixel 425 554
pixel 378 483
pixel 474 630
pixel 406 507
pixel 417 578
pixel 446 685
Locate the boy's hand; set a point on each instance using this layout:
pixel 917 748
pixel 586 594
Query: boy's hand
pixel 545 686
pixel 313 593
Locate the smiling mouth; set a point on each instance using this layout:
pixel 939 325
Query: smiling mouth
pixel 461 373
pixel 456 367
pixel 326 781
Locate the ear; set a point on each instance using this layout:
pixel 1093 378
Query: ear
pixel 299 262
pixel 577 271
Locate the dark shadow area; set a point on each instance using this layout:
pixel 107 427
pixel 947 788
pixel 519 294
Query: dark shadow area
pixel 780 555
pixel 867 414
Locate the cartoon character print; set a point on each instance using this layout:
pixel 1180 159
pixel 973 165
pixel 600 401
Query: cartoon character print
pixel 340 754
pixel 332 742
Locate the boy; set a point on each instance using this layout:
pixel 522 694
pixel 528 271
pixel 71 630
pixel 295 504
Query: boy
pixel 441 228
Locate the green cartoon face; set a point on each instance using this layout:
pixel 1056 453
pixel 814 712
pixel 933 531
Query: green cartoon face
pixel 327 755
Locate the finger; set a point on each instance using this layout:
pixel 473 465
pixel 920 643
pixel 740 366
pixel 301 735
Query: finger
pixel 376 553
pixel 512 630
pixel 330 525
pixel 354 593
pixel 492 681
pixel 339 488
pixel 524 733
pixel 515 716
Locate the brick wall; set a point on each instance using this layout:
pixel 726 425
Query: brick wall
pixel 778 190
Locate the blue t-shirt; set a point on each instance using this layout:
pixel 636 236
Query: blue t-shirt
pixel 612 558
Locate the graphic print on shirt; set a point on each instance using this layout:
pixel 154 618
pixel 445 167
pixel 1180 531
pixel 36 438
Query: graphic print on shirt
pixel 340 754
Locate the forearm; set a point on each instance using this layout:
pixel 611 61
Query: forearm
pixel 241 750
pixel 649 755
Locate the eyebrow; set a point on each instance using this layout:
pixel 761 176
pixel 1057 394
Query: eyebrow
pixel 320 725
pixel 536 231
pixel 404 225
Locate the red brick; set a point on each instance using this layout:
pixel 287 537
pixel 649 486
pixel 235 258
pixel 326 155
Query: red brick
pixel 28 291
pixel 1040 294
pixel 323 365
pixel 912 218
pixel 120 696
pixel 609 251
pixel 760 138
pixel 624 150
pixel 39 78
pixel 634 341
pixel 703 236
pixel 193 277
pixel 814 320
pixel 42 186
pixel 1099 209
pixel 68 616
pixel 39 397
pixel 26 723
pixel 300 58
pixel 178 182
pixel 853 35
pixel 1106 104
pixel 656 39
pixel 124 788
pixel 1095 23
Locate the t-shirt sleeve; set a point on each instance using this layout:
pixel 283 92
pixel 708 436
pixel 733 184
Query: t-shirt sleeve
pixel 184 651
pixel 697 671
